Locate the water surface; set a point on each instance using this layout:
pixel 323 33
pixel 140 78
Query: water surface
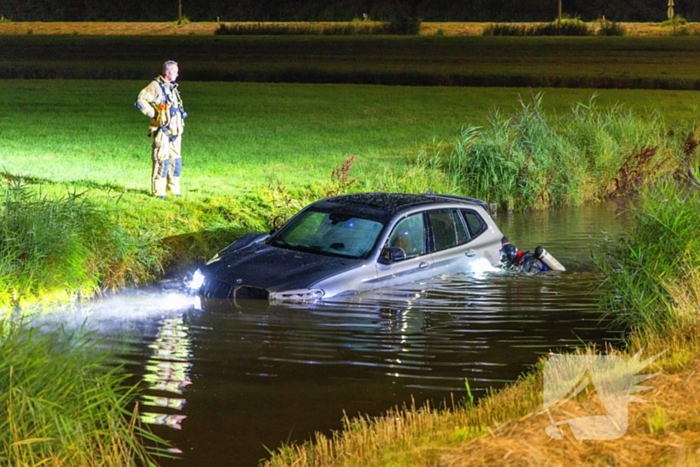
pixel 223 383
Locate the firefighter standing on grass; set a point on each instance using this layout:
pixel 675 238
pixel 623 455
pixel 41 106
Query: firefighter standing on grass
pixel 161 102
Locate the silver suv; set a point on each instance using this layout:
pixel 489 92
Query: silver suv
pixel 354 243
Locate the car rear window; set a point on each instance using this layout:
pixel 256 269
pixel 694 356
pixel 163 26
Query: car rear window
pixel 475 223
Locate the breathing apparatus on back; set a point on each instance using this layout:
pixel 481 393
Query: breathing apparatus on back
pixel 541 260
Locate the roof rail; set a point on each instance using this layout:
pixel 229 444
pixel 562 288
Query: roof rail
pixel 462 198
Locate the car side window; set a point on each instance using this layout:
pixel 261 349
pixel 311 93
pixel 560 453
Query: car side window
pixel 448 229
pixel 475 223
pixel 409 235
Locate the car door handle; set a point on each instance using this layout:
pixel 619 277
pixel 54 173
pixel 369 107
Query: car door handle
pixel 470 252
pixel 423 265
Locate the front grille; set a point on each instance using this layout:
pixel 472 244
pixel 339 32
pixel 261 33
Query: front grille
pixel 250 293
pixel 213 288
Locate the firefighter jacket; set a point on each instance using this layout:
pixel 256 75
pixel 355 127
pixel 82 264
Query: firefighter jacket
pixel 161 102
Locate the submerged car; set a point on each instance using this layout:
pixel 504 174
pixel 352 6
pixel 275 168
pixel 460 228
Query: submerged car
pixel 355 243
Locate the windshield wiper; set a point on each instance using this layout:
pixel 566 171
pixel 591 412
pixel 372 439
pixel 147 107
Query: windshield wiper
pixel 313 249
pixel 289 246
pixel 283 244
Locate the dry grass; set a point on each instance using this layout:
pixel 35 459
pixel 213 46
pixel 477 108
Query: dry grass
pixel 107 28
pixel 663 431
pixel 208 28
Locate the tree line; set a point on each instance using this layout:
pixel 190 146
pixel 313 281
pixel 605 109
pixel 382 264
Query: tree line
pixel 343 10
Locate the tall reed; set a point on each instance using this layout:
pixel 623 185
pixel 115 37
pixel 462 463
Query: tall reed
pixel 62 404
pixel 51 249
pixel 533 160
pixel 661 251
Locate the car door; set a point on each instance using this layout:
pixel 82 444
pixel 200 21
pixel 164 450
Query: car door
pixel 409 234
pixel 454 247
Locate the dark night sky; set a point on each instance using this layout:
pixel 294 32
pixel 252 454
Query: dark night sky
pixel 341 10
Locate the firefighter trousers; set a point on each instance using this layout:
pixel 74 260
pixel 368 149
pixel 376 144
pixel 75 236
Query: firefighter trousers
pixel 167 165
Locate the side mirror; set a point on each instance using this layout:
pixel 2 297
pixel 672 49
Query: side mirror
pixel 391 255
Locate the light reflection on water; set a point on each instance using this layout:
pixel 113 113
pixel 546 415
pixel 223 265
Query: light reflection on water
pixel 235 380
pixel 166 373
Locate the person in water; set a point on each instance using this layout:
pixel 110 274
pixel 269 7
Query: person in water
pixel 524 261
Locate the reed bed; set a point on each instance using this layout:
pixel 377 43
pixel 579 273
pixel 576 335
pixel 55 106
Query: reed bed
pixel 144 28
pixel 323 29
pixel 56 249
pixel 651 267
pixel 565 27
pixel 63 404
pixel 531 159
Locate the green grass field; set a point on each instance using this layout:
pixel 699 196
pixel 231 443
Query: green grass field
pixel 239 135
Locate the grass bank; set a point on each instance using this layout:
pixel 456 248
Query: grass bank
pixel 254 153
pixel 508 427
pixel 583 62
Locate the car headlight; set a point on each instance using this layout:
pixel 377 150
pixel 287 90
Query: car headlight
pixel 297 296
pixel 197 280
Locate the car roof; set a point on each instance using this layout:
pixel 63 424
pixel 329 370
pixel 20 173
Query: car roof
pixel 383 206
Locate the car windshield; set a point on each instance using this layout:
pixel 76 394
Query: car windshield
pixel 330 233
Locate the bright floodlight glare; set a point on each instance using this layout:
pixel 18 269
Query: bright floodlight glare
pixel 175 301
pixel 197 280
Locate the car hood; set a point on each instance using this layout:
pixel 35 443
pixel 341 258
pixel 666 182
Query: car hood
pixel 276 269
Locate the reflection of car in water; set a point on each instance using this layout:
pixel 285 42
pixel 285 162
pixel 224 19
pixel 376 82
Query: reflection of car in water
pixel 355 243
